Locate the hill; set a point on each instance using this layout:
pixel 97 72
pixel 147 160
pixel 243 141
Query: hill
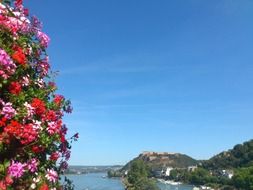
pixel 156 160
pixel 240 156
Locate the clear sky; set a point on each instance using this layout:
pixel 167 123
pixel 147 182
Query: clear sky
pixel 161 75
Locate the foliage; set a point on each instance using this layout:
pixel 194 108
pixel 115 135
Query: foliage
pixel 32 134
pixel 200 176
pixel 243 178
pixel 138 177
pixel 240 156
pixel 113 173
pixel 137 172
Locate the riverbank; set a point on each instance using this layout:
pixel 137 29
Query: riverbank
pixel 169 182
pixel 180 185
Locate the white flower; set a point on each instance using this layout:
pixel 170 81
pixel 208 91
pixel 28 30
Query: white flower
pixel 33 186
pixel 40 82
pixel 36 180
pixel 37 125
pixel 26 81
pixel 29 109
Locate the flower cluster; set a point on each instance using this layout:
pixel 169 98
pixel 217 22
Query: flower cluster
pixel 7 67
pixel 34 149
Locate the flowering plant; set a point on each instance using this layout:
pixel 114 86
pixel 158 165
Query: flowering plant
pixel 33 147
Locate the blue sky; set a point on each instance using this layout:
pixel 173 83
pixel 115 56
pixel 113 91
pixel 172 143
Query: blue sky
pixel 161 75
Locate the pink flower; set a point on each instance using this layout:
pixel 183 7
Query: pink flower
pixel 43 66
pixel 16 169
pixel 7 66
pixel 64 165
pixel 7 110
pixel 67 154
pixel 18 3
pixel 53 127
pixel 29 109
pixel 32 165
pixel 16 22
pixel 51 175
pixel 43 38
pixel 36 24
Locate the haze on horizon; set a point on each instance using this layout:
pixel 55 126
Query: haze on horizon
pixel 172 76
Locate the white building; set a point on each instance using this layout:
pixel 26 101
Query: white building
pixel 167 171
pixel 192 168
pixel 228 173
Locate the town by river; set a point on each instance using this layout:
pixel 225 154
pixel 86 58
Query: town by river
pixel 98 181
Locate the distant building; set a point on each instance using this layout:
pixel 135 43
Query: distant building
pixel 228 173
pixel 167 171
pixel 158 173
pixel 151 153
pixel 192 168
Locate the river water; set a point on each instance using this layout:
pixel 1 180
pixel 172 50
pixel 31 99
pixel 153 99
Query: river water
pixel 96 181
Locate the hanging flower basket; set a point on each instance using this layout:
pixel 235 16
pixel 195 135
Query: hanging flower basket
pixel 33 147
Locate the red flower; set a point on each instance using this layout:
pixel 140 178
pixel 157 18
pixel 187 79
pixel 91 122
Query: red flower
pixel 13 129
pixel 19 56
pixel 8 180
pixel 37 149
pixel 3 185
pixel 39 106
pixel 44 187
pixel 28 134
pixel 54 156
pixel 15 88
pixel 58 99
pixel 51 116
pixel 3 122
pixel 63 139
pixel 25 133
pixel 18 3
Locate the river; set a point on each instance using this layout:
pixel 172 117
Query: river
pixel 96 181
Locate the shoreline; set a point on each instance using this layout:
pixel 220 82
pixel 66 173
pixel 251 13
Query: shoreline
pixel 169 182
pixel 173 183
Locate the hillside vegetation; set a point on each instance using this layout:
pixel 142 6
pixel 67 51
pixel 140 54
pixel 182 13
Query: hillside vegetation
pixel 240 156
pixel 232 169
pixel 155 160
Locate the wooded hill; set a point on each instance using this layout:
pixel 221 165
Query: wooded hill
pixel 155 160
pixel 240 156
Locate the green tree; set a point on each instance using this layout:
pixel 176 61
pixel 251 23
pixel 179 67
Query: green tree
pixel 243 178
pixel 138 177
pixel 137 172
